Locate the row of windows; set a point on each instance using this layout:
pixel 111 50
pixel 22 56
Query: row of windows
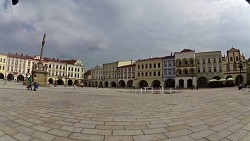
pixel 209 69
pixel 59 74
pixel 149 66
pixel 126 76
pixel 169 63
pixel 169 72
pixel 146 74
pixel 2 60
pixel 209 60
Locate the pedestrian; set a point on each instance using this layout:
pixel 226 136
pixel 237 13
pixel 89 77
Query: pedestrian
pixel 29 87
pixel 35 84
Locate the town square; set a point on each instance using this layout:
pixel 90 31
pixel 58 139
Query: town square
pixel 105 114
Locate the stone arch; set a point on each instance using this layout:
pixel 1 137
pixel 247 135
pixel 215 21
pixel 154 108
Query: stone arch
pixel 178 72
pixel 113 84
pixel 1 76
pixel 100 84
pixel 191 61
pixel 185 71
pixel 121 83
pixel 143 83
pixel 130 83
pixel 189 83
pixel 181 83
pixel 76 82
pixel 20 78
pixel 239 79
pixel 106 84
pixel 202 82
pixel 191 70
pixel 156 83
pixel 96 83
pixel 169 83
pixel 60 82
pixel 70 82
pixel 10 76
pixel 50 81
pixel 185 62
pixel 178 62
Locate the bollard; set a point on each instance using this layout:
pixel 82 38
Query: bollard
pixel 141 90
pixel 170 90
pixel 152 90
pixel 162 90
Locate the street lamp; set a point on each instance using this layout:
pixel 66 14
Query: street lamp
pixel 241 64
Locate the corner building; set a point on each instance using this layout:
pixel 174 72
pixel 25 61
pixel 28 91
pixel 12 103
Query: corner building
pixel 148 72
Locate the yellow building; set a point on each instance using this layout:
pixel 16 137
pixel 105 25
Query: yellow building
pixel 231 66
pixel 148 72
pixel 96 76
pixel 110 73
pixel 3 59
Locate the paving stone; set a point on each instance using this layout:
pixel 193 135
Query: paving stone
pixel 40 128
pixel 218 136
pixel 24 123
pixel 71 129
pixel 237 135
pixel 234 127
pixel 127 132
pixel 25 130
pixel 151 137
pixel 22 137
pixel 201 134
pixel 97 132
pixel 8 130
pixel 43 136
pixel 81 125
pixel 178 133
pixel 181 138
pixel 110 127
pixel 177 127
pixel 246 137
pixel 131 127
pixel 157 125
pixel 51 125
pixel 118 138
pixel 86 137
pixel 7 138
pixel 64 139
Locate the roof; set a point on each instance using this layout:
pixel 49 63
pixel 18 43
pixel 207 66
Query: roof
pixel 126 66
pixel 150 59
pixel 185 50
pixel 21 56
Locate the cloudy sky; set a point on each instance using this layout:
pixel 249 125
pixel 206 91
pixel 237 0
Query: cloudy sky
pixel 104 31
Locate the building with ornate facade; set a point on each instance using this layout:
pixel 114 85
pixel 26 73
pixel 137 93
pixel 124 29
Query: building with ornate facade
pixel 126 75
pixel 208 67
pixel 185 69
pixel 19 66
pixel 3 59
pixel 231 67
pixel 148 72
pixel 169 71
pixel 110 73
pixel 96 76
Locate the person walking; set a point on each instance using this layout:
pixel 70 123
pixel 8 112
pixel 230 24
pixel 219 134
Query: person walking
pixel 35 84
pixel 29 87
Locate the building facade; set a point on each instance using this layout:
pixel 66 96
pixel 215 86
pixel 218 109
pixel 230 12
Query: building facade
pixel 126 75
pixel 208 67
pixel 3 59
pixel 96 76
pixel 148 72
pixel 185 69
pixel 169 71
pixel 231 67
pixel 110 73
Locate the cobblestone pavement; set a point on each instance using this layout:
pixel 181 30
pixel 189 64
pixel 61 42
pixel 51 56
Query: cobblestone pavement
pixel 89 114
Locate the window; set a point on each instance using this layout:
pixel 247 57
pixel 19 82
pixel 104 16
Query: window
pixel 214 60
pixel 154 73
pixel 159 65
pixel 231 59
pixel 142 74
pixel 138 66
pixel 209 60
pixel 138 74
pixel 199 70
pixel 228 68
pixel 146 73
pixel 150 73
pixel 142 66
pixel 146 66
pixel 237 58
pixel 219 60
pixel 198 61
pixel 150 65
pixel 204 70
pixel 214 69
pixel 159 73
pixel 209 69
pixel 154 65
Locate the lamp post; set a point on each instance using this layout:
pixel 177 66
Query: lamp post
pixel 241 64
